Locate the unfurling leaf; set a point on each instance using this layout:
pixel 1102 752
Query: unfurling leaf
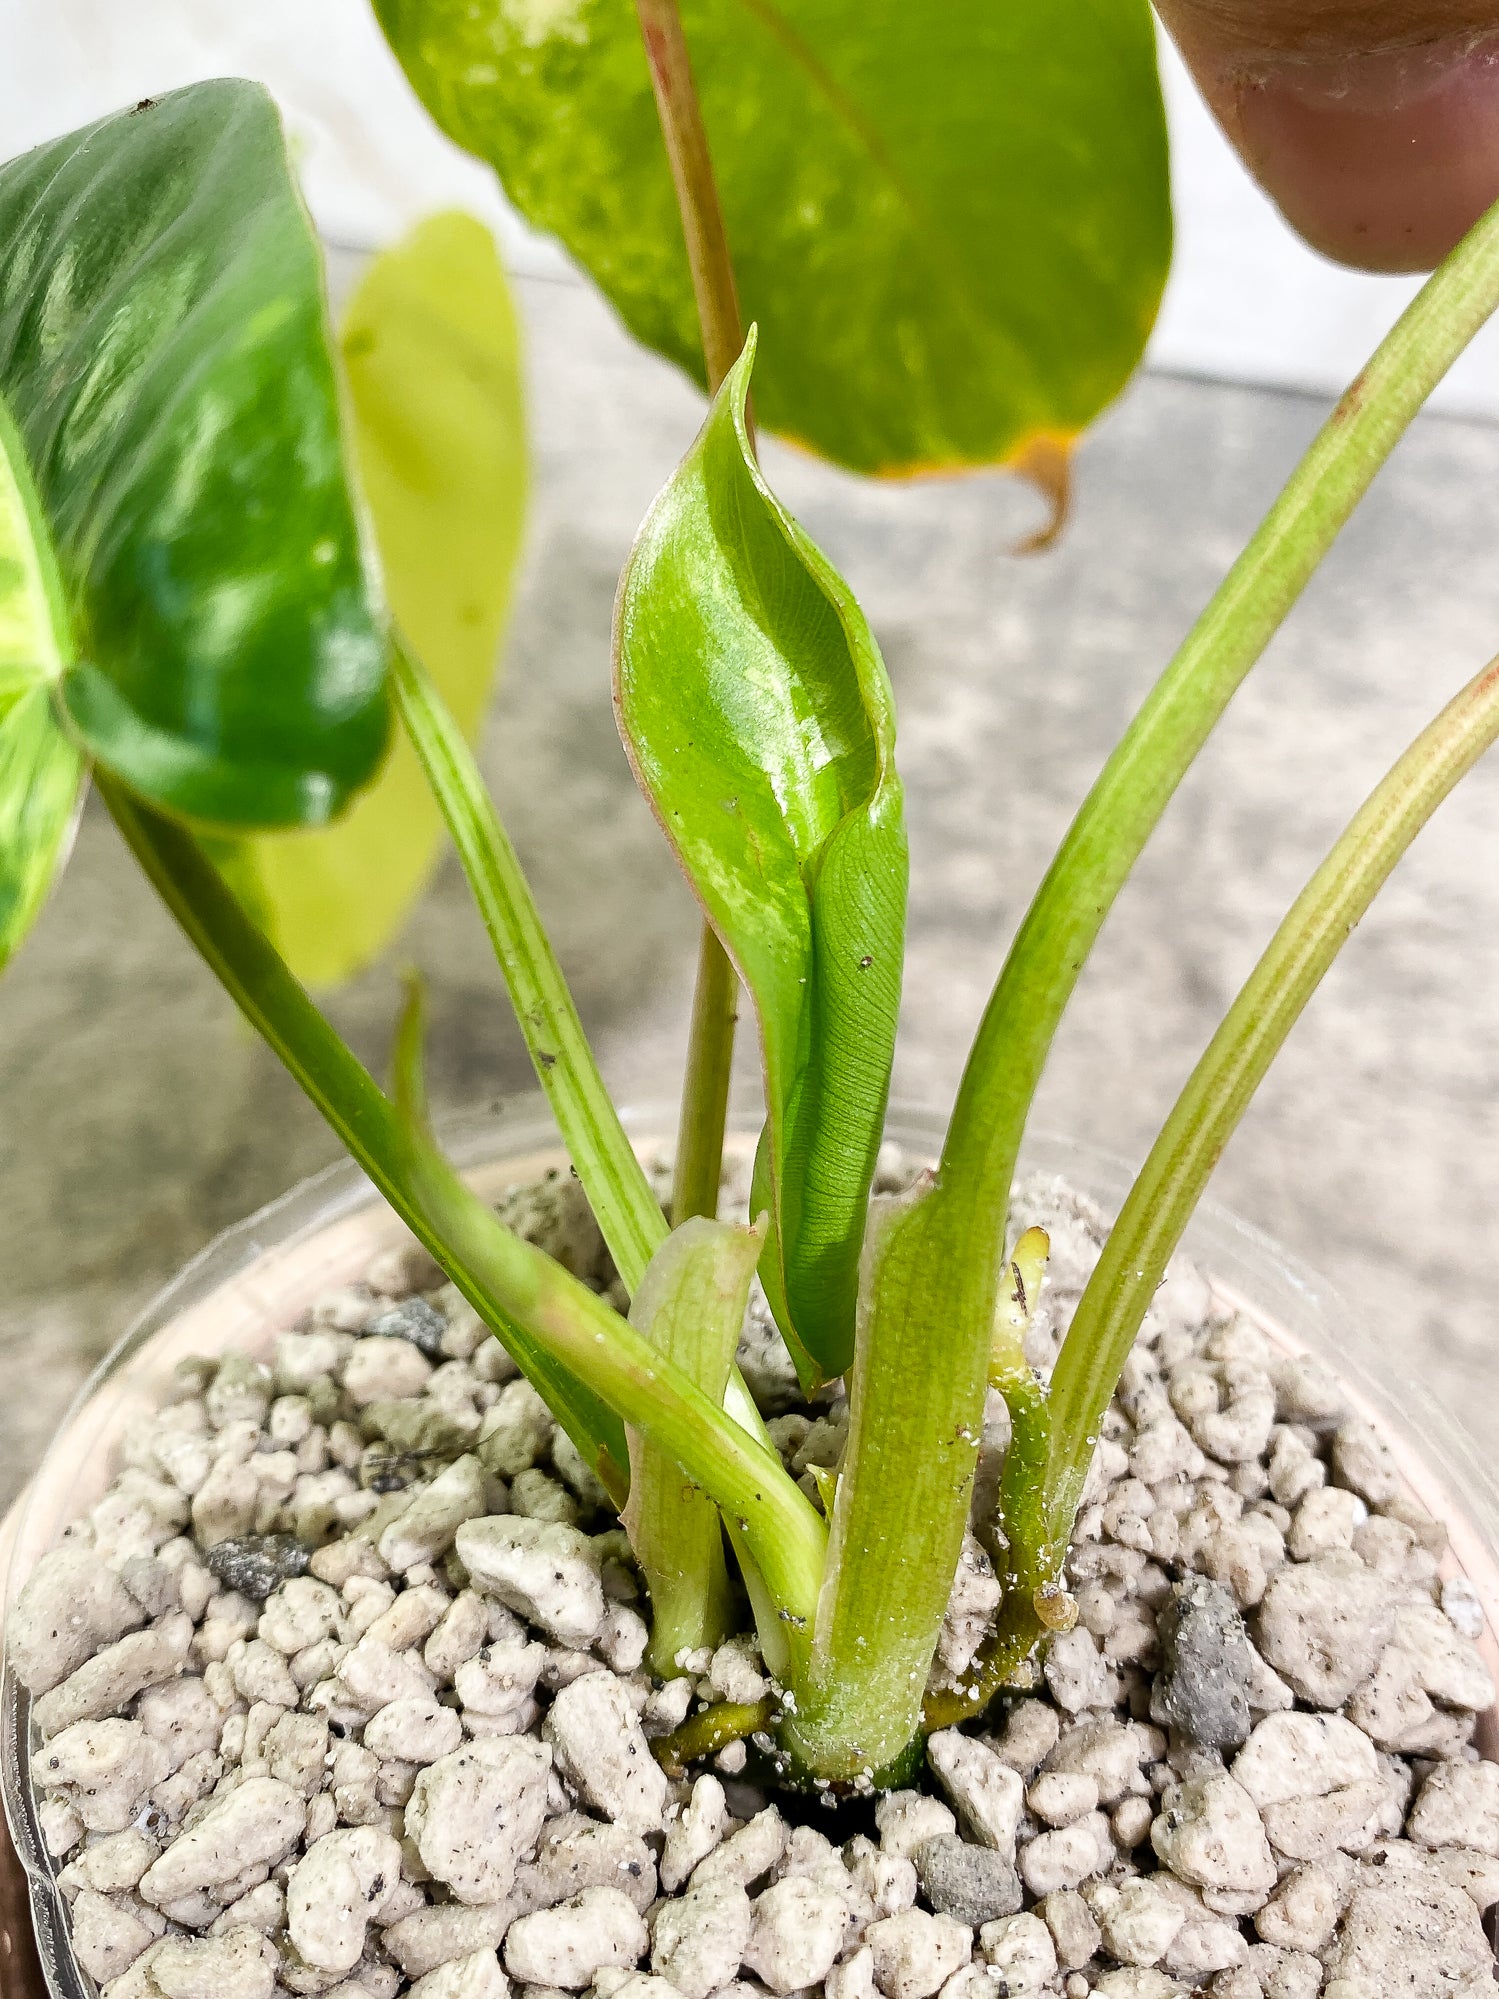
pixel 164 352
pixel 431 355
pixel 755 709
pixel 952 223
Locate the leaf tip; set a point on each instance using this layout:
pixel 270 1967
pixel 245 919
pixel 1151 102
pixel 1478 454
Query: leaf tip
pixel 1045 462
pixel 736 388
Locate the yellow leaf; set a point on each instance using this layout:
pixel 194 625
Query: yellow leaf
pixel 431 353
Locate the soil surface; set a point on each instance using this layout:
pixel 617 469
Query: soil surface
pixel 339 1691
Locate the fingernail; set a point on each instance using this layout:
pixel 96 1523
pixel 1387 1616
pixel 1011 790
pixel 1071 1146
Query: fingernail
pixel 1384 160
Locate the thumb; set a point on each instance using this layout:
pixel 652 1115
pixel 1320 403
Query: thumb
pixel 1373 124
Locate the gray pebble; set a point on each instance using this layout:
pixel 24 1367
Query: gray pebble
pixel 972 1883
pixel 413 1319
pixel 415 1428
pixel 257 1564
pixel 1206 1671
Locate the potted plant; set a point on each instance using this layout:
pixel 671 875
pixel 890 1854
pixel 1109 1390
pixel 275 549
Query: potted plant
pixel 331 1690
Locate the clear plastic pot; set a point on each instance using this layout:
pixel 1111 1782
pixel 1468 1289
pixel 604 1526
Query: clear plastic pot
pixel 255 1279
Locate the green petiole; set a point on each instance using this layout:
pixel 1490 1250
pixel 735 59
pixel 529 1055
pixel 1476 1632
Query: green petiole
pixel 593 1368
pixel 627 1212
pixel 1138 781
pixel 1168 1187
pixel 715 1005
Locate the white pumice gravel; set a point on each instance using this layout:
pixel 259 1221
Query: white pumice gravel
pixel 339 1692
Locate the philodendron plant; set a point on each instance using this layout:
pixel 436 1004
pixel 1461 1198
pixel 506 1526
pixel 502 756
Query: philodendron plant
pixel 188 604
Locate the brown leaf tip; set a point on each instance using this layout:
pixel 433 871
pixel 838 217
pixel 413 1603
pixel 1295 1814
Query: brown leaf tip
pixel 1046 462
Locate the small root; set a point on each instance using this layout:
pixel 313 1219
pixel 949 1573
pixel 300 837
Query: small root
pixel 704 1734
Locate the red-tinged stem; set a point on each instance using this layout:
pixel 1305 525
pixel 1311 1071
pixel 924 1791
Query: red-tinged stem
pixel 715 1008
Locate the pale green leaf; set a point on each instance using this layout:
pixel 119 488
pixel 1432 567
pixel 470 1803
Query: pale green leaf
pixel 40 770
pixel 431 351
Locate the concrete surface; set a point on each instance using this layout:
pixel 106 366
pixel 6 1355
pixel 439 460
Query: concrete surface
pixel 137 1117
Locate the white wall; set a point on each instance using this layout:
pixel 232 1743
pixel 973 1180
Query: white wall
pixel 1247 301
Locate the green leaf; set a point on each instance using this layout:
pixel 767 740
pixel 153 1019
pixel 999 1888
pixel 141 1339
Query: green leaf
pixel 40 791
pixel 164 352
pixel 432 359
pixel 690 1306
pixel 40 770
pixel 755 708
pixel 952 223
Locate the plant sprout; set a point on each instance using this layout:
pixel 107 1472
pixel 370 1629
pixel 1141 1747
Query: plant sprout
pixel 198 619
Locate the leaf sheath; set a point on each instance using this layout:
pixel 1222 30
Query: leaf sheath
pixel 690 1306
pixel 898 1516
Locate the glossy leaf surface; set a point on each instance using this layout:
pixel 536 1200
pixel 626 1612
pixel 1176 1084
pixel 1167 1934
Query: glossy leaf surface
pixel 40 769
pixel 432 359
pixel 755 708
pixel 952 223
pixel 164 351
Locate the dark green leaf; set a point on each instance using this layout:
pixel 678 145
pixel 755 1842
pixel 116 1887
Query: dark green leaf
pixel 40 769
pixel 952 222
pixel 755 708
pixel 432 358
pixel 164 351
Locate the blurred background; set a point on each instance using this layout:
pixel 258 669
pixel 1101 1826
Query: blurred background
pixel 137 1117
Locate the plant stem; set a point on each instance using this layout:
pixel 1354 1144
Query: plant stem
pixel 1140 778
pixel 1127 801
pixel 705 1086
pixel 1219 1090
pixel 612 1177
pixel 593 1369
pixel 956 1248
pixel 682 128
pixel 1035 1598
pixel 342 1090
pixel 715 1006
pixel 703 1735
